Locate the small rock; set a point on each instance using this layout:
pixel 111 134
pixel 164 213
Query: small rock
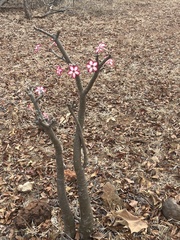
pixel 170 209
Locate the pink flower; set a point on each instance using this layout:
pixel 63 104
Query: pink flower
pixel 30 107
pixel 59 70
pixel 37 48
pixel 45 115
pixel 100 48
pixel 73 71
pixel 53 43
pixel 40 90
pixel 92 66
pixel 110 62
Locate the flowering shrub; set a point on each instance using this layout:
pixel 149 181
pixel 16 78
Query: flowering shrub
pixel 80 160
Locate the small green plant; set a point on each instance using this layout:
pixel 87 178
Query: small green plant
pixel 43 120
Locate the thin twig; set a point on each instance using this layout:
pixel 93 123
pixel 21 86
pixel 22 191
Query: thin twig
pixel 35 102
pixel 65 55
pixel 51 50
pixel 56 40
pixel 50 12
pixel 42 31
pixel 61 48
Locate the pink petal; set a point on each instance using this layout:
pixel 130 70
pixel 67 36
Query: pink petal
pixel 73 71
pixel 40 90
pixel 71 68
pixel 37 48
pixel 110 62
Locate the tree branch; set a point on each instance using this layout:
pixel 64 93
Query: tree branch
pixel 95 75
pixel 50 12
pixel 46 33
pixel 51 50
pixel 80 135
pixel 35 102
pixel 67 215
pixel 79 84
pixel 65 55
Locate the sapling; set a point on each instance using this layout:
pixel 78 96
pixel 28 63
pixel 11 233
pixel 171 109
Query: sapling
pixel 94 67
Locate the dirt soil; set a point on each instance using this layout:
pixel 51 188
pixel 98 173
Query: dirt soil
pixel 132 127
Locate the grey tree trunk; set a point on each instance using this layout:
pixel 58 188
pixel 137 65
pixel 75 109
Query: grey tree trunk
pixel 86 222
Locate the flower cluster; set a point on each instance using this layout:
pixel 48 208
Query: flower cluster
pixel 102 48
pixel 92 66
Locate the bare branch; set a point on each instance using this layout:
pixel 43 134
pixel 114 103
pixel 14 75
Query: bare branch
pixel 51 50
pixel 80 135
pixel 95 75
pixel 104 60
pixel 42 31
pixel 63 201
pixel 64 54
pixel 62 50
pixel 50 12
pixel 35 102
pixel 97 58
pixel 79 84
pixel 27 9
pixel 2 2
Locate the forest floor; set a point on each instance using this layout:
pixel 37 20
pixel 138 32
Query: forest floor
pixel 132 127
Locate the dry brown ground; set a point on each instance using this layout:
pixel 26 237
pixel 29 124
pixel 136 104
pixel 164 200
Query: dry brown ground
pixel 132 124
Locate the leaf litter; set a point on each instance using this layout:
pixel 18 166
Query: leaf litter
pixel 132 125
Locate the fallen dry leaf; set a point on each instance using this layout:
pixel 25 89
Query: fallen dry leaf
pixel 70 175
pixel 26 187
pixel 110 197
pixel 133 203
pixel 133 222
pixel 132 117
